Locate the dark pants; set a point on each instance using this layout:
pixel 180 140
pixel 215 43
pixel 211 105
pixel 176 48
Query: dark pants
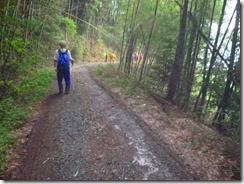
pixel 63 73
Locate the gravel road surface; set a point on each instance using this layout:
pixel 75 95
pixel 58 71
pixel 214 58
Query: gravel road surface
pixel 88 135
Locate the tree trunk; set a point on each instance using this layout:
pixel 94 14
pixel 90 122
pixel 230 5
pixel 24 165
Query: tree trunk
pixel 220 114
pixel 205 57
pixel 192 55
pixel 148 42
pixel 187 63
pixel 123 38
pixel 206 80
pixel 130 42
pixel 178 61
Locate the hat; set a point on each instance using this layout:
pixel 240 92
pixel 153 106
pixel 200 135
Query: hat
pixel 62 43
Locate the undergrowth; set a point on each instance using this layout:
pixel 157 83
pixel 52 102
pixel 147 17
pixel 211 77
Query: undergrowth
pixel 109 74
pixel 17 107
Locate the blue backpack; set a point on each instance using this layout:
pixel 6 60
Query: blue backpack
pixel 63 59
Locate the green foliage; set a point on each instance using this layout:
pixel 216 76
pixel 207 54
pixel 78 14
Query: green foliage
pixel 6 141
pixel 106 71
pixel 121 82
pixel 159 72
pixel 67 24
pixel 12 114
pixel 99 41
pixel 78 47
pixel 110 75
pixel 17 44
pixel 16 109
pixel 30 32
pixel 33 87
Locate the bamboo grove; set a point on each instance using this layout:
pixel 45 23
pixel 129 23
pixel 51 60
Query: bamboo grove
pixel 190 49
pixel 191 55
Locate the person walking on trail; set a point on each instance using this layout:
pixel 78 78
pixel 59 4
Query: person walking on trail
pixel 62 59
pixel 105 54
pixel 135 57
pixel 111 56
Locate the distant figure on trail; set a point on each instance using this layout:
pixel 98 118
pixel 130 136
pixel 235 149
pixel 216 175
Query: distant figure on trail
pixel 105 54
pixel 140 57
pixel 132 58
pixel 135 56
pixel 111 56
pixel 62 59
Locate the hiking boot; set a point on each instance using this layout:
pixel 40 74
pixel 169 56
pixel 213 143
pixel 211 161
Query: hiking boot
pixel 67 90
pixel 60 89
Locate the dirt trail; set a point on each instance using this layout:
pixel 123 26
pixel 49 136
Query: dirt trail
pixel 89 135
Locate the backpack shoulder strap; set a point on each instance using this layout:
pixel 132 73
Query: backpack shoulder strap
pixel 59 50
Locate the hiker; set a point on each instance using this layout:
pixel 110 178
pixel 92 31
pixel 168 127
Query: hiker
pixel 105 54
pixel 140 57
pixel 62 59
pixel 111 56
pixel 135 57
pixel 132 58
